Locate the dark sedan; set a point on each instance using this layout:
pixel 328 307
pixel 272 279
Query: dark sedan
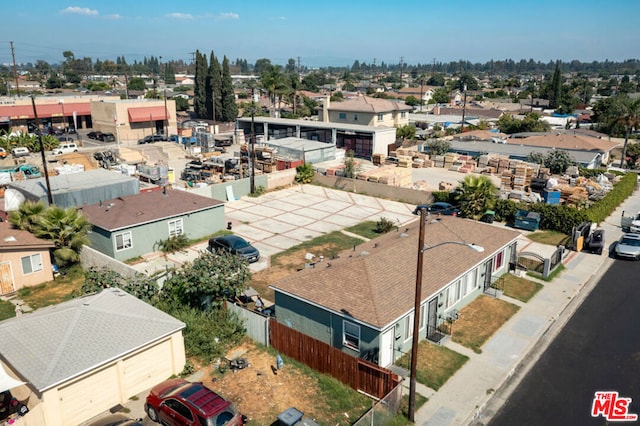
pixel 438 208
pixel 234 245
pixel 94 135
pixel 106 137
pixel 152 139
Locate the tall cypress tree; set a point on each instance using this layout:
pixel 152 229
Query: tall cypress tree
pixel 200 86
pixel 214 88
pixel 555 95
pixel 229 106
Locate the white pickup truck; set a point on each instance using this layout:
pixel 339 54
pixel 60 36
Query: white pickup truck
pixel 630 222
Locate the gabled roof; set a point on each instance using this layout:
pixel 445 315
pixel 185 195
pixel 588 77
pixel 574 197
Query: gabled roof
pixel 368 104
pixel 477 112
pixel 574 142
pixel 55 344
pixel 378 287
pixel 13 239
pixel 146 207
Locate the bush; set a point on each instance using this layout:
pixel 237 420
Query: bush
pixel 383 226
pixel 601 209
pixel 443 196
pixel 173 244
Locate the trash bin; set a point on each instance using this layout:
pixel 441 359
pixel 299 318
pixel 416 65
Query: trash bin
pixel 488 216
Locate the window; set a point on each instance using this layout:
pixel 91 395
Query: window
pixel 31 263
pixel 408 326
pixel 342 116
pixel 403 114
pixel 355 117
pixel 123 241
pixel 175 227
pixel 380 117
pixel 472 280
pixel 351 335
pixel 179 408
pixel 423 310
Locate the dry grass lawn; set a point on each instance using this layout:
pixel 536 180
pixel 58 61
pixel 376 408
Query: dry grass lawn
pixel 479 320
pixel 436 364
pixel 519 288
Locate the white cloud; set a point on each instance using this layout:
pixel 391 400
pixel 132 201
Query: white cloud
pixel 114 16
pixel 282 18
pixel 80 10
pixel 229 15
pixel 183 16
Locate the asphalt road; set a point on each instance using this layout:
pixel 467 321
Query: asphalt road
pixel 597 350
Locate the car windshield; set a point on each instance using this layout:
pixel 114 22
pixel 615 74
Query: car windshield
pixel 634 242
pixel 238 244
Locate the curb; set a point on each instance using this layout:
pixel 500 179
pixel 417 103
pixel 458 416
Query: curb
pixel 534 351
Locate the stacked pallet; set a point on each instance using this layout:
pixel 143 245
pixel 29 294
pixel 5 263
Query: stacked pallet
pixel 378 159
pixel 438 161
pixel 467 164
pixel 449 159
pixel 334 170
pixel 395 176
pixel 405 161
pixel 506 179
pixel 573 194
pixel 522 176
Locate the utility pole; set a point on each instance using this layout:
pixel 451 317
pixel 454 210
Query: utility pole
pixel 464 107
pixel 15 72
pixel 44 160
pixel 401 80
pixel 252 155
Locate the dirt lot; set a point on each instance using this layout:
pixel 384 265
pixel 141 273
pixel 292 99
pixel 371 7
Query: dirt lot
pixel 260 394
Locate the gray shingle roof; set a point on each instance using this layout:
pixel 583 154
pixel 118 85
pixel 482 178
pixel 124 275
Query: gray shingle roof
pixel 146 207
pixel 378 288
pixel 56 343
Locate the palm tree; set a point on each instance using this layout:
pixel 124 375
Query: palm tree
pixel 25 217
pixel 475 195
pixel 67 229
pixel 628 113
pixel 274 82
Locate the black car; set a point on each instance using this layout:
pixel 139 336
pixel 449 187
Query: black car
pixel 94 135
pixel 152 139
pixel 65 138
pixel 106 137
pixel 438 208
pixel 235 245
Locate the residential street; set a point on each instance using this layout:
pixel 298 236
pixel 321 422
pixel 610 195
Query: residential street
pixel 597 350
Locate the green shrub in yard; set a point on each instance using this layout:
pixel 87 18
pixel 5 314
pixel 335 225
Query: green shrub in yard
pixel 603 208
pixel 384 225
pixel 442 196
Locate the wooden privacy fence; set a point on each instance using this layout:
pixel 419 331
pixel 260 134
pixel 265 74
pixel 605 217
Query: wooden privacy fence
pixel 357 373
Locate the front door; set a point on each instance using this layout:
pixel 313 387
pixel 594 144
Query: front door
pixel 432 318
pixel 6 279
pixel 386 348
pixel 488 270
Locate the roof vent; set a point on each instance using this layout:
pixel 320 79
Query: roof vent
pixel 364 253
pixel 10 238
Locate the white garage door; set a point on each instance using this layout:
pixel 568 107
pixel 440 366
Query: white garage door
pixel 90 396
pixel 147 368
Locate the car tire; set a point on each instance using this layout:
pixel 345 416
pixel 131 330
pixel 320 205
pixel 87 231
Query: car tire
pixel 152 413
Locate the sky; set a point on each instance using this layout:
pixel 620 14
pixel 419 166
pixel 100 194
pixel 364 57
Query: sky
pixel 322 33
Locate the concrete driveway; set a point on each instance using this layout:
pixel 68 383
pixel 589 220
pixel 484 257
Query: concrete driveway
pixel 282 219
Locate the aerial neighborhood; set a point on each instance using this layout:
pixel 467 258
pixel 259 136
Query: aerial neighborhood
pixel 212 241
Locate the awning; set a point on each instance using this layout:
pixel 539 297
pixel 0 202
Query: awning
pixel 22 112
pixel 139 115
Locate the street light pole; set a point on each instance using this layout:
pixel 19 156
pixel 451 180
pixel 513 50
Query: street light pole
pixel 44 160
pixel 416 319
pixel 418 301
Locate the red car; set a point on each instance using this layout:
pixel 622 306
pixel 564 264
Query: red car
pixel 177 402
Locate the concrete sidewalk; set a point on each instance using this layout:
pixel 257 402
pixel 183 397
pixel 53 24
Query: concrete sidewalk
pixel 481 386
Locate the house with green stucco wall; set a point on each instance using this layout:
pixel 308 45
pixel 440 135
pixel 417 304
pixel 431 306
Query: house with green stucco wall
pixel 127 227
pixel 363 300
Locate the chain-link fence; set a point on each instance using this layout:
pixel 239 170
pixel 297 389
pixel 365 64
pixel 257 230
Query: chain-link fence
pixel 383 411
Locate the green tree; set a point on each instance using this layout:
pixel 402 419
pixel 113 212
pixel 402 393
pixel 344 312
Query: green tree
pixel 229 106
pixel 438 147
pixel 436 80
pixel 66 228
pixel 261 66
pixel 627 112
pixel 555 89
pixel 531 123
pixel 412 101
pixel 633 154
pixel 181 103
pixel 207 282
pixel 136 83
pixel 200 87
pixel 214 89
pixel 141 286
pixel 406 132
pixel 475 195
pixel 274 82
pixel 558 161
pixel 440 96
pixel 535 158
